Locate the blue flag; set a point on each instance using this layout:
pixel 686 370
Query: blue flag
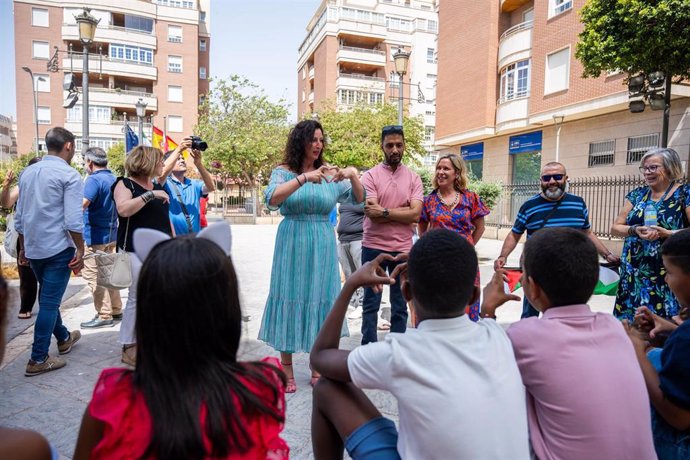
pixel 132 140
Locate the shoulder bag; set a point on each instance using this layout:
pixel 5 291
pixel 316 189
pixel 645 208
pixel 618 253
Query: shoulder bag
pixel 11 237
pixel 187 217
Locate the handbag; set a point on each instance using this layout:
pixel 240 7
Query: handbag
pixel 11 237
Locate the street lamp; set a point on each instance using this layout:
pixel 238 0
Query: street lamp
pixel 141 113
pixel 87 30
pixel 33 87
pixel 558 120
pixel 401 59
pixel 656 89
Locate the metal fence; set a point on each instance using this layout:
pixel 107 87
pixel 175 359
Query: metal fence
pixel 604 197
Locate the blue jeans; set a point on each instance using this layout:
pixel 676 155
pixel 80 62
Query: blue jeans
pixel 669 443
pixel 372 300
pixel 527 309
pixel 52 274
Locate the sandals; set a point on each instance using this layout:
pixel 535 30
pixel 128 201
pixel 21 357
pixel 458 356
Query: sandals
pixel 24 315
pixel 291 385
pixel 314 380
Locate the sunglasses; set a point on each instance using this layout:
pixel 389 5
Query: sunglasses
pixel 548 177
pixel 392 129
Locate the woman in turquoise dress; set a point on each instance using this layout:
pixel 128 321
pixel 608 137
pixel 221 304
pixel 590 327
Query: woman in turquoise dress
pixel 642 270
pixel 305 279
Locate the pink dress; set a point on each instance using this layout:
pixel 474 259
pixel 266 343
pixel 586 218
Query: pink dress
pixel 128 428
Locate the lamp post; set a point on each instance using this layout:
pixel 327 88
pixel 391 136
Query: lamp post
pixel 401 59
pixel 656 89
pixel 33 87
pixel 87 30
pixel 558 120
pixel 141 113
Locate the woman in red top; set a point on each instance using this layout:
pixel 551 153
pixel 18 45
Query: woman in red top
pixel 188 397
pixel 454 207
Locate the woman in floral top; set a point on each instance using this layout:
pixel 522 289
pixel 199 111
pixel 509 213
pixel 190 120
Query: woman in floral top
pixel 454 207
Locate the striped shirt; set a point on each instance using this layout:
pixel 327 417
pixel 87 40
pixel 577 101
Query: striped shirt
pixel 572 213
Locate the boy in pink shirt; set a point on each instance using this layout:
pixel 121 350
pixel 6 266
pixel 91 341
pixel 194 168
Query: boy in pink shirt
pixel 586 396
pixel 394 204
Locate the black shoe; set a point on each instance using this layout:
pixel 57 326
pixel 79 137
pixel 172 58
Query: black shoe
pixel 97 322
pixel 117 317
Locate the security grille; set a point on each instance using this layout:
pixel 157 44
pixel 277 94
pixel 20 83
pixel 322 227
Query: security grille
pixel 639 145
pixel 602 153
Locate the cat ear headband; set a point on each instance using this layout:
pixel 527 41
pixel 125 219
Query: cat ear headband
pixel 145 239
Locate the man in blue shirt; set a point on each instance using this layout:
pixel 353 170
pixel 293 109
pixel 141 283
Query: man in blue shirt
pixel 50 223
pixel 184 192
pixel 553 207
pixel 100 234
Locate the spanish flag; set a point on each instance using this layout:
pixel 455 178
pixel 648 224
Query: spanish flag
pixel 161 141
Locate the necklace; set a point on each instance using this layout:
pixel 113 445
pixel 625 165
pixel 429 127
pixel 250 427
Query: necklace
pixel 451 205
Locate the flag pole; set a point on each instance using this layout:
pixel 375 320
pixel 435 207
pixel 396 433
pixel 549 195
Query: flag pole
pixel 165 132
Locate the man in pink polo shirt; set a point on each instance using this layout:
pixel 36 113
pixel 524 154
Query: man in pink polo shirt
pixel 394 204
pixel 586 396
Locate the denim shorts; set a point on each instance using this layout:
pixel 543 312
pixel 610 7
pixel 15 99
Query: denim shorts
pixel 375 440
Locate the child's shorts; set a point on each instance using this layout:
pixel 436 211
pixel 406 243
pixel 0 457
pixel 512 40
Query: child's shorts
pixel 375 440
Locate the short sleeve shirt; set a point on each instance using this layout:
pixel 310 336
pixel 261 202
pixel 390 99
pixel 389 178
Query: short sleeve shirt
pixel 100 217
pixel 571 212
pixel 190 191
pixel 675 367
pixel 459 219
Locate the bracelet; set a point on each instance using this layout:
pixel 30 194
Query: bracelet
pixel 300 183
pixel 148 196
pixel 632 230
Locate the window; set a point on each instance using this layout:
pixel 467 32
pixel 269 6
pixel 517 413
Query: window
pixel 557 7
pixel 475 168
pixel 602 153
pixel 202 16
pixel 39 17
pixel 515 81
pixel 41 50
pixel 432 26
pixel 304 95
pixel 351 97
pixel 174 124
pixel 528 15
pixel 638 146
pixel 394 80
pixel 138 23
pixel 431 80
pixel 42 83
pixel 175 34
pixel 429 133
pixel 44 115
pixel 557 71
pixel 430 55
pixel 202 45
pixel 398 24
pixel 97 114
pixel 174 93
pixel 135 54
pixel 202 73
pixel 175 64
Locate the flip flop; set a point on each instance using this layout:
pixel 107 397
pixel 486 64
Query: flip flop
pixel 24 315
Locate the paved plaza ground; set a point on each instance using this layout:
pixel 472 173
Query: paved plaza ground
pixel 53 403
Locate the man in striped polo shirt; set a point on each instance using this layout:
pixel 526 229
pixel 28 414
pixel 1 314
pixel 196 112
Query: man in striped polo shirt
pixel 553 207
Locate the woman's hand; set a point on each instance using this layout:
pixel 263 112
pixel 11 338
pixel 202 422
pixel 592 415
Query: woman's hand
pixel 348 173
pixel 317 175
pixel 663 232
pixel 161 195
pixel 636 338
pixel 8 178
pixel 647 233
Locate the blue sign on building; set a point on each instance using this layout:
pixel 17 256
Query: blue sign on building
pixel 529 142
pixel 472 151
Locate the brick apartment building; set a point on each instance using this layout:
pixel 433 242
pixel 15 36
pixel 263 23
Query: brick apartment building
pixel 347 56
pixel 154 50
pixel 508 72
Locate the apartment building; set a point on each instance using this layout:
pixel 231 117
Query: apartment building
pixel 347 56
pixel 153 50
pixel 8 141
pixel 509 79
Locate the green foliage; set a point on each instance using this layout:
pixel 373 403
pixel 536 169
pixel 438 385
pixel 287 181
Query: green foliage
pixel 488 192
pixel 116 159
pixel 245 132
pixel 17 165
pixel 426 175
pixel 635 36
pixel 354 136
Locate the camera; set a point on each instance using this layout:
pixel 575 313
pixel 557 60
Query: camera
pixel 198 143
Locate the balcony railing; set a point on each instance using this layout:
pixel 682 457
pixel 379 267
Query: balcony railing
pixel 174 39
pixel 112 27
pixel 121 91
pixel 516 28
pixel 362 50
pixel 361 77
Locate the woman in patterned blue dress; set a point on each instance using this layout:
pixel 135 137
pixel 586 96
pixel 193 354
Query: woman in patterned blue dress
pixel 305 279
pixel 642 271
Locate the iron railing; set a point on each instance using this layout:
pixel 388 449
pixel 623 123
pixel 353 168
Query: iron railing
pixel 604 197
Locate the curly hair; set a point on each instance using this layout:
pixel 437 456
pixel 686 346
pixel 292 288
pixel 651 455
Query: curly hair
pixel 298 140
pixel 460 182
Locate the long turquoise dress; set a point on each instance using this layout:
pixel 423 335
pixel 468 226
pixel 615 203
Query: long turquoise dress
pixel 304 279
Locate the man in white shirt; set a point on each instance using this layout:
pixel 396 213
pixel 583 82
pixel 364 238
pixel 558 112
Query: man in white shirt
pixel 457 384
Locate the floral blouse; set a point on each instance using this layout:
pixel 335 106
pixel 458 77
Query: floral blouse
pixel 459 219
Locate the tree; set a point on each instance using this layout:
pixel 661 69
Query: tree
pixel 245 132
pixel 116 159
pixel 354 136
pixel 635 36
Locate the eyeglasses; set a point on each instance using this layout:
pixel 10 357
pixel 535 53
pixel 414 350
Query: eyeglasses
pixel 650 168
pixel 548 177
pixel 392 129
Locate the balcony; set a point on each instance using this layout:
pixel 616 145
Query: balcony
pixel 515 43
pixel 358 81
pixel 113 34
pixel 510 5
pixel 512 114
pixel 361 56
pixel 114 128
pixel 121 98
pixel 113 66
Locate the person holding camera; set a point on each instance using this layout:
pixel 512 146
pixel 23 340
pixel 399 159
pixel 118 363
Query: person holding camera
pixel 185 193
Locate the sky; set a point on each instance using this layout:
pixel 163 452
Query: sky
pixel 257 39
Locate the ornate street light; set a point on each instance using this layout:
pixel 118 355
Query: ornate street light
pixel 401 59
pixel 87 30
pixel 141 113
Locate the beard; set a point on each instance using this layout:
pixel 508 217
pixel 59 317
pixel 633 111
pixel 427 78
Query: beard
pixel 554 194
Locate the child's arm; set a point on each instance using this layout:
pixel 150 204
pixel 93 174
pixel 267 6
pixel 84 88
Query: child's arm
pixel 90 434
pixel 326 358
pixel 495 295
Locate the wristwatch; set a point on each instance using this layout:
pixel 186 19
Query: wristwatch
pixel 385 212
